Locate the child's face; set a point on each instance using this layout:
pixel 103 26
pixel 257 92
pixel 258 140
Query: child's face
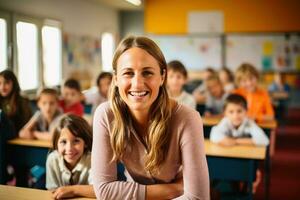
pixel 235 113
pixel 214 88
pixel 206 74
pixel 70 96
pixel 249 83
pixel 6 86
pixel 104 85
pixel 70 147
pixel 223 76
pixel 48 105
pixel 175 81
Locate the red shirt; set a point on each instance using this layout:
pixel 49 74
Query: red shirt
pixel 76 109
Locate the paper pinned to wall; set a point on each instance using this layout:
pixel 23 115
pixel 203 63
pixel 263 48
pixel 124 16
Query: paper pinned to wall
pixel 205 22
pixel 195 52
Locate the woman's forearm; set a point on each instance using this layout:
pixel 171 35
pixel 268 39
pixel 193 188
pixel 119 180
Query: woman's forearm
pixel 84 191
pixel 164 191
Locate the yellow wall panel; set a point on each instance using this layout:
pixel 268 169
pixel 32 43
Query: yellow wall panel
pixel 170 16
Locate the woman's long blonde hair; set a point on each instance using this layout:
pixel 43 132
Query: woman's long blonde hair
pixel 158 136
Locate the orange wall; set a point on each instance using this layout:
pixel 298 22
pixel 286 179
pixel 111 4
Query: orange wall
pixel 170 16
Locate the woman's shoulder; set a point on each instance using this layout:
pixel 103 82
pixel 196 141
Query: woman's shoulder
pixel 104 107
pixel 104 111
pixel 183 112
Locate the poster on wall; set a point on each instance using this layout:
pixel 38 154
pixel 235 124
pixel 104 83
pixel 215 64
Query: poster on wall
pixel 266 52
pixel 81 51
pixel 195 52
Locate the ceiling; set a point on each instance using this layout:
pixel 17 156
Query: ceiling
pixel 121 4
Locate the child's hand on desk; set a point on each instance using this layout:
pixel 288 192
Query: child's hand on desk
pixel 227 141
pixel 207 114
pixel 63 192
pixel 26 134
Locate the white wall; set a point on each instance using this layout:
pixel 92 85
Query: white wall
pixel 78 17
pixel 82 17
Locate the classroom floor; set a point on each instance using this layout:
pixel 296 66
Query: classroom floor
pixel 285 172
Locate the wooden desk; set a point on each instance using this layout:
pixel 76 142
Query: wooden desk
pixel 31 143
pixel 246 152
pixel 24 154
pixel 19 193
pixel 237 163
pixel 269 128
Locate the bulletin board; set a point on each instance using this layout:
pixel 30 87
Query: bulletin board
pixel 195 52
pixel 267 52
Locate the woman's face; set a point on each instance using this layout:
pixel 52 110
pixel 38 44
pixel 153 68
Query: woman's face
pixel 138 78
pixel 6 86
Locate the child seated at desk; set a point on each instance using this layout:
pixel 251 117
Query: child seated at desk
pixel 98 96
pixel 12 103
pixel 177 76
pixel 215 96
pixel 68 166
pixel 41 123
pixel 200 92
pixel 71 95
pixel 279 92
pixel 259 104
pixel 227 79
pixel 237 129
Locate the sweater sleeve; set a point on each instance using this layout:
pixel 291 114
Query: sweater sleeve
pixel 104 170
pixel 195 171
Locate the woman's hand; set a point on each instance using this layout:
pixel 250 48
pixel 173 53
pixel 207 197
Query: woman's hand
pixel 179 186
pixel 63 192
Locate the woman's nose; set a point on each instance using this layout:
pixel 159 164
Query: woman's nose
pixel 137 81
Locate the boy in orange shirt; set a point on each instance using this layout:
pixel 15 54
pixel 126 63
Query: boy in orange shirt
pixel 259 104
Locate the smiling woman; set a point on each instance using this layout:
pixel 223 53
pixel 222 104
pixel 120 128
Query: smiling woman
pixel 159 142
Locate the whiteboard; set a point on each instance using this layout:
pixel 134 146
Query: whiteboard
pixel 266 52
pixel 195 52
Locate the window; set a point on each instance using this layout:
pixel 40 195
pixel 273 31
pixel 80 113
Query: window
pixel 107 46
pixel 3 44
pixel 52 55
pixel 27 58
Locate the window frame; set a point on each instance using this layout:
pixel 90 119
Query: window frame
pixel 7 16
pixel 38 22
pixel 113 50
pixel 55 24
